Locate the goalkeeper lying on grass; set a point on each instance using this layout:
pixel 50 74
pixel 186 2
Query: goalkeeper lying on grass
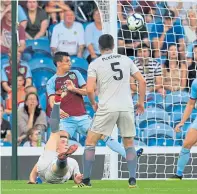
pixel 54 165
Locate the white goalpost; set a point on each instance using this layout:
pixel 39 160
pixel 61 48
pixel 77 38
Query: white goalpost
pixel 158 162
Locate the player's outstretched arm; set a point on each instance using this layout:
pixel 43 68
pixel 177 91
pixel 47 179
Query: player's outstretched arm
pixel 188 110
pixel 33 175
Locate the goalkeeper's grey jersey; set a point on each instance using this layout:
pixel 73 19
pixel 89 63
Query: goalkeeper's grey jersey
pixel 112 72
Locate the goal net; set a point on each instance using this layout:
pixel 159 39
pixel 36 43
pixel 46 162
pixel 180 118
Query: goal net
pixel 155 127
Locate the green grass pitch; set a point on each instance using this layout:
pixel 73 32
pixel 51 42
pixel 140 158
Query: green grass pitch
pixel 103 187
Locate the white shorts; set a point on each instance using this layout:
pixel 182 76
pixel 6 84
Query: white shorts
pixel 104 122
pixel 45 164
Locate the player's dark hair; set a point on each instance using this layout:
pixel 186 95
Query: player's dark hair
pixel 106 42
pixel 58 57
pixel 37 110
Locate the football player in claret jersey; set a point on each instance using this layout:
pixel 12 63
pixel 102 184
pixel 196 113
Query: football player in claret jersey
pixel 72 109
pixel 111 73
pixel 191 137
pixel 54 165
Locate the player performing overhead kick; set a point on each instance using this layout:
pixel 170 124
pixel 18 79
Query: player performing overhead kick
pixel 112 73
pixel 54 165
pixel 73 116
pixel 191 137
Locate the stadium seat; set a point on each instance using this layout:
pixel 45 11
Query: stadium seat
pixel 177 115
pixel 101 143
pixel 158 128
pixel 40 77
pixel 118 25
pixel 6 117
pixel 132 57
pixel 50 30
pixel 159 134
pixel 152 115
pixel 151 100
pixel 139 143
pixel 83 138
pixel 85 24
pixel 39 45
pixel 79 64
pixel 2 101
pixel 161 60
pixel 175 99
pixel 89 110
pixel 4 60
pixel 88 106
pixel 5 144
pixel 159 140
pixel 43 101
pixel 72 142
pixel 41 61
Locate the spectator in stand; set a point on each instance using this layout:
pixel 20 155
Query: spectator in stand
pixel 167 33
pixel 129 41
pixel 189 54
pixel 5 127
pixel 37 21
pixel 83 10
pixel 146 7
pixel 30 116
pixel 6 6
pixel 150 69
pixel 30 89
pixel 192 69
pixel 92 33
pixel 55 9
pixel 33 138
pixel 68 36
pixel 180 8
pixel 6 34
pixel 23 69
pixel 174 71
pixel 20 94
pixel 191 28
pixel 124 8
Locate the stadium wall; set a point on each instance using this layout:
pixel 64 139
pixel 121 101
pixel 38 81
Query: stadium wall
pixel 151 165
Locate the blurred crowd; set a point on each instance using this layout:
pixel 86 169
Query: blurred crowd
pixel 164 49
